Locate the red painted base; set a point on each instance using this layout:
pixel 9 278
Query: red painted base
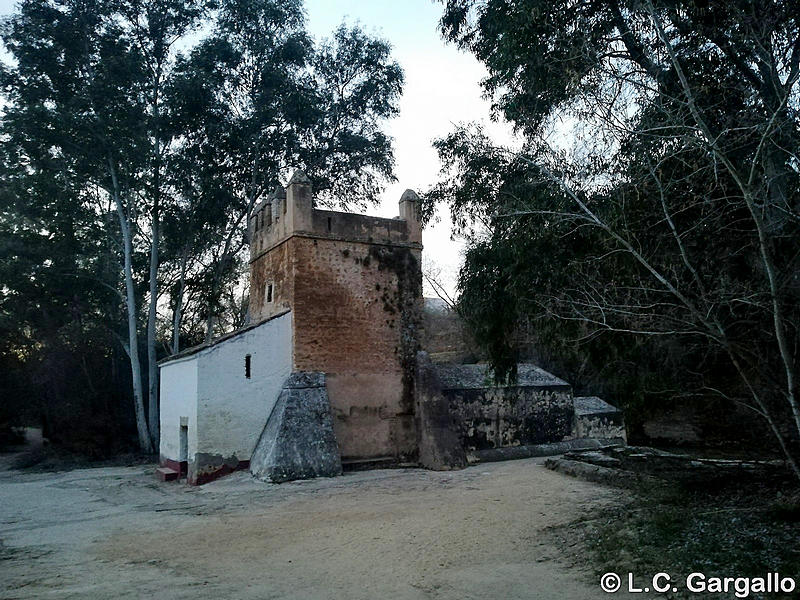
pixel 181 466
pixel 167 474
pixel 181 469
pixel 209 476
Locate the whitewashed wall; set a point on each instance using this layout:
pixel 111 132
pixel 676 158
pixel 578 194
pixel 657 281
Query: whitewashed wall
pixel 232 410
pixel 178 399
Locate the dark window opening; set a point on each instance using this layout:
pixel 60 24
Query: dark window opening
pixel 247 366
pixel 184 446
pixel 269 292
pixel 329 223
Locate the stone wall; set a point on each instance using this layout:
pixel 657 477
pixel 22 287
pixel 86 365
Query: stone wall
pixel 511 416
pixel 445 335
pixel 537 410
pixel 438 438
pixel 596 418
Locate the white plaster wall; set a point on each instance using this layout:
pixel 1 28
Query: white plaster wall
pixel 232 410
pixel 178 398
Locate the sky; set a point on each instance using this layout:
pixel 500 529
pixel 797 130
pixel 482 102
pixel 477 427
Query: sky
pixel 442 88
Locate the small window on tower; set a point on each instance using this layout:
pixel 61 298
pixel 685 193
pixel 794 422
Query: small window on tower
pixel 329 223
pixel 247 366
pixel 269 292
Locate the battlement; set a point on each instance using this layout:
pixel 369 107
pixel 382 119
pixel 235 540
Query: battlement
pixel 289 212
pixel 353 286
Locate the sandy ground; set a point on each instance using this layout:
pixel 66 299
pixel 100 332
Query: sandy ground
pixel 405 534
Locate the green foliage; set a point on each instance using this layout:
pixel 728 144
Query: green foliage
pixel 117 121
pixel 648 215
pixel 538 53
pixel 358 86
pixel 257 99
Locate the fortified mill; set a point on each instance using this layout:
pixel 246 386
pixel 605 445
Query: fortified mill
pixel 344 363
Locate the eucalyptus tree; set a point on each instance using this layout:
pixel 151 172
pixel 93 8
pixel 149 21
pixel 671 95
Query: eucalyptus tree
pixel 130 106
pixel 156 27
pixel 259 99
pixel 75 97
pixel 655 189
pixel 356 86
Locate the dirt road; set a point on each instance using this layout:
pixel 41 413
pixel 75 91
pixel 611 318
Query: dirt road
pixel 407 534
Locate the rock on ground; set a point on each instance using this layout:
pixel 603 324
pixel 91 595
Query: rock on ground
pixel 298 441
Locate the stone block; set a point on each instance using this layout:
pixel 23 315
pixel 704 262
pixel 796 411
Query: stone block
pixel 595 418
pixel 167 474
pixel 439 444
pixel 298 441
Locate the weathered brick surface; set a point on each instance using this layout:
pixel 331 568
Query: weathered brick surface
pixel 347 324
pixel 276 267
pixel 354 286
pixel 345 308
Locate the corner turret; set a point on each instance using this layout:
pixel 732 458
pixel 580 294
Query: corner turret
pixel 409 212
pixel 299 202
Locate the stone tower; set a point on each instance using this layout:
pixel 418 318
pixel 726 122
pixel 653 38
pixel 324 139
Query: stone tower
pixel 353 284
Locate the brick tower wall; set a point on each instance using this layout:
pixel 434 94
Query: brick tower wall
pixel 354 285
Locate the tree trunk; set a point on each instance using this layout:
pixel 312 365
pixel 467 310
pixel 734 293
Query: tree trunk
pixel 130 301
pixel 209 325
pixel 176 316
pixel 152 314
pixel 152 357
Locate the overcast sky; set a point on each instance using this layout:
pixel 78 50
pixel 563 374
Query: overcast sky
pixel 441 89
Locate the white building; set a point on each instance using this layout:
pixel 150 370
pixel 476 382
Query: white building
pixel 216 398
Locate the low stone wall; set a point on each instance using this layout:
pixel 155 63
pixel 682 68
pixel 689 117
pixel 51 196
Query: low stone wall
pixel 595 418
pixel 537 410
pixel 510 416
